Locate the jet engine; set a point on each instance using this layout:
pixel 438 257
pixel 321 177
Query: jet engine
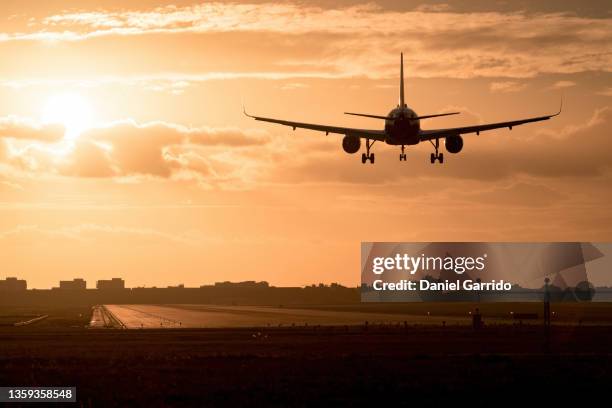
pixel 351 144
pixel 454 144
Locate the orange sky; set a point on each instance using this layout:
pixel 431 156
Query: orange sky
pixel 154 174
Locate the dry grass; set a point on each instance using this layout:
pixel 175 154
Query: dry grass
pixel 306 366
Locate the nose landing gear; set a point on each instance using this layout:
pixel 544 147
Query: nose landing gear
pixel 437 155
pixel 402 154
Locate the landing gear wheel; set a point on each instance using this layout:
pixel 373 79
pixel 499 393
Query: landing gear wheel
pixel 402 156
pixel 437 155
pixel 367 155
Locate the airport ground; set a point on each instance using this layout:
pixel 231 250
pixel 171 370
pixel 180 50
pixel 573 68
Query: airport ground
pixel 422 362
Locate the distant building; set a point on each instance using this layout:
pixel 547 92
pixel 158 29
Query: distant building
pixel 75 284
pixel 13 285
pixel 113 284
pixel 246 284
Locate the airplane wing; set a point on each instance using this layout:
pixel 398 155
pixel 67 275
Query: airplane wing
pixel 442 133
pixel 371 134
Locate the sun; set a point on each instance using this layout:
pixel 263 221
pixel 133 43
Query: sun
pixel 71 110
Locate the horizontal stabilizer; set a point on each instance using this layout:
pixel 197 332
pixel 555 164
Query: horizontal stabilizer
pixel 365 115
pixel 438 114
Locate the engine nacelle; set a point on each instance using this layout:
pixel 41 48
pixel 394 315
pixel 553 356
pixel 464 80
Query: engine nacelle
pixel 454 144
pixel 351 144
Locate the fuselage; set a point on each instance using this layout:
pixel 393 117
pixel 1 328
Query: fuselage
pixel 402 126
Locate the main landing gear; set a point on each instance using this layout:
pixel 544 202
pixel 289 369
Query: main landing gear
pixel 367 155
pixel 402 154
pixel 436 156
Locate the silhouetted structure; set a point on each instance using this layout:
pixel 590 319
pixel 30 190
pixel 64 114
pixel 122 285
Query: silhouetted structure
pixel 75 284
pixel 245 284
pixel 13 285
pixel 546 304
pixel 113 284
pixel 223 293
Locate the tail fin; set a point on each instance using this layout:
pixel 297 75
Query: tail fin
pixel 401 97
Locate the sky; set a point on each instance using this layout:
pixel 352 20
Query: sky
pixel 124 151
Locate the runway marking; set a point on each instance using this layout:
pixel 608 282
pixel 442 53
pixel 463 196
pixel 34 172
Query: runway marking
pixel 102 318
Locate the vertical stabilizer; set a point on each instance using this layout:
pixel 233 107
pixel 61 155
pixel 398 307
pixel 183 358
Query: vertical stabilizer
pixel 401 96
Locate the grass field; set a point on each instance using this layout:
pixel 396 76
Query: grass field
pixel 307 367
pixel 59 317
pixel 565 313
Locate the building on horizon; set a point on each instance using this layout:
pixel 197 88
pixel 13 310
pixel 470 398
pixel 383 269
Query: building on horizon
pixel 75 284
pixel 245 284
pixel 13 285
pixel 112 284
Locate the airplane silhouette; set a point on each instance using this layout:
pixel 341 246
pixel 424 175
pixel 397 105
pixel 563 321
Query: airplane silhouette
pixel 403 128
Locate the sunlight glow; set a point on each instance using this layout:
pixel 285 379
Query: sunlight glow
pixel 71 110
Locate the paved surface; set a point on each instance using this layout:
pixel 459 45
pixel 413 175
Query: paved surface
pixel 102 318
pixel 199 316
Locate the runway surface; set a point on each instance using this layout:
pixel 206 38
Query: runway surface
pixel 101 318
pixel 204 316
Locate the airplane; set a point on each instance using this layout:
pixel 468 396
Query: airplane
pixel 403 128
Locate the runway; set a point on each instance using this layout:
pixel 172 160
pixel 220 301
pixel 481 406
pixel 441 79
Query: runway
pixel 102 318
pixel 209 316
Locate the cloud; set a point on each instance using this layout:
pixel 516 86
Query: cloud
pixel 155 149
pixel 176 87
pixel 438 42
pixel 175 84
pixel 18 128
pixel 89 159
pixel 233 158
pixel 518 193
pixel 433 8
pixel 506 86
pixel 563 84
pixel 146 148
pixel 292 86
pixel 9 185
pixel 92 232
pixel 606 92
